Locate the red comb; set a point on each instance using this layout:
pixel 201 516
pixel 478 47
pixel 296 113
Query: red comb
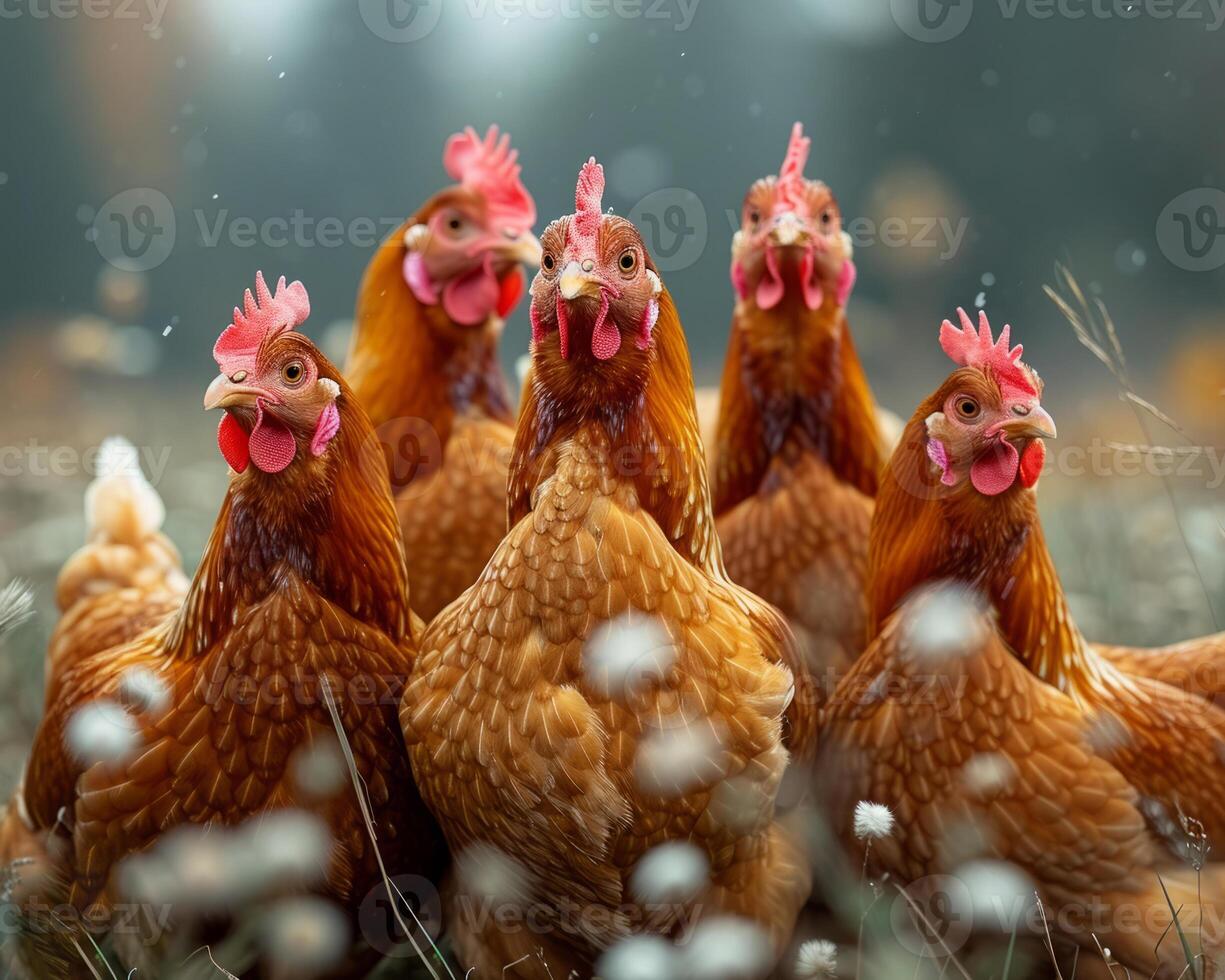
pixel 588 202
pixel 972 347
pixel 263 317
pixel 791 174
pixel 490 166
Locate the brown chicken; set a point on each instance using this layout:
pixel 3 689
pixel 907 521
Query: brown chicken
pixel 984 719
pixel 517 736
pixel 424 362
pixel 798 450
pixel 303 578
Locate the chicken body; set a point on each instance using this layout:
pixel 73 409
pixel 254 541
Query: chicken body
pixel 996 731
pixel 424 362
pixel 523 736
pixel 302 582
pixel 797 447
pixel 127 577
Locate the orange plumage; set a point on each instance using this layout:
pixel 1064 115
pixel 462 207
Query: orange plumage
pixel 516 739
pixel 302 579
pixel 1002 725
pixel 424 362
pixel 797 448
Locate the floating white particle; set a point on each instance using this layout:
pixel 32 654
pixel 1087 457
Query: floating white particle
pixel 943 621
pixel 873 821
pixel 999 896
pixel 140 689
pixel 987 773
pixel 674 761
pixel 319 769
pixel 102 731
pixel 192 868
pixel 281 75
pixel 305 936
pixel 980 301
pixel 988 279
pixel 639 958
pixel 593 38
pixel 490 873
pixel 628 655
pixel 1107 733
pixel 287 848
pixel 180 62
pixel 4 178
pixel 726 947
pixel 817 959
pixel 673 872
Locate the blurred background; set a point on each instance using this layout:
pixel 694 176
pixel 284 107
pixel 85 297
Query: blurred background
pixel 157 152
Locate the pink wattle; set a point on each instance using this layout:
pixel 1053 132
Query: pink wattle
pixel 939 454
pixel 327 427
pixel 810 285
pixel 563 328
pixel 846 281
pixel 1032 462
pixel 770 290
pixel 233 443
pixel 605 337
pixel 471 298
pixel 537 325
pixel 650 316
pixel 996 469
pixel 740 280
pixel 418 279
pixel 272 445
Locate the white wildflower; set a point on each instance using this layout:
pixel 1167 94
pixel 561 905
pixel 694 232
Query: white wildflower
pixel 142 690
pixel 102 731
pixel 627 655
pixel 873 821
pixel 671 872
pixel 639 958
pixel 944 621
pixel 306 936
pixel 16 606
pixel 725 947
pixel 817 959
pixel 675 761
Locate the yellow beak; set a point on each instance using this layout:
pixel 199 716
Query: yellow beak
pixel 574 282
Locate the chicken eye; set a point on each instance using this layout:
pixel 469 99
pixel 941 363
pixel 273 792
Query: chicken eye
pixel 754 217
pixel 293 372
pixel 967 407
pixel 826 218
pixel 548 262
pixel 628 260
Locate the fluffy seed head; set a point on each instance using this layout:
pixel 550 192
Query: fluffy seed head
pixel 628 655
pixel 305 936
pixel 16 606
pixel 873 821
pixel 817 959
pixel 142 690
